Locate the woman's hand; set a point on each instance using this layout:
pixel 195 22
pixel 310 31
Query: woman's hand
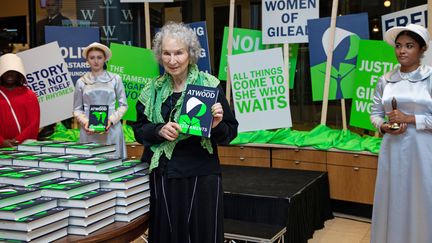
pixel 217 112
pixel 109 124
pixel 86 128
pixel 170 131
pixel 8 143
pixel 397 116
pixel 385 128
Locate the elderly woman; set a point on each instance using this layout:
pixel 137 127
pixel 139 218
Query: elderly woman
pixel 403 195
pixel 99 87
pixel 186 191
pixel 19 107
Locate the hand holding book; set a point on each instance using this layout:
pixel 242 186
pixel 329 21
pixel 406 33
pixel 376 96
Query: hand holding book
pixel 217 113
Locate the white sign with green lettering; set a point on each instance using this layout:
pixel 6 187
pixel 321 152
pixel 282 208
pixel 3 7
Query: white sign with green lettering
pixel 260 90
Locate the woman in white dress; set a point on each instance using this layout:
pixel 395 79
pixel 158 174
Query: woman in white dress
pixel 402 211
pixel 100 87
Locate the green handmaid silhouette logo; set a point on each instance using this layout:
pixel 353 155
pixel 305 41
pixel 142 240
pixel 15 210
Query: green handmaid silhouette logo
pixel 191 122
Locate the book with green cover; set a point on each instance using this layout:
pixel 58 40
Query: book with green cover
pixel 47 233
pixel 35 221
pixel 132 215
pixel 23 209
pixel 133 206
pixel 86 212
pixel 120 201
pixel 125 182
pixel 133 190
pixel 24 176
pixel 7 157
pixel 34 145
pixel 108 174
pixel 94 164
pixel 66 187
pixel 8 149
pixel 56 147
pixel 78 221
pixel 86 230
pixel 32 160
pixel 14 194
pixel 88 199
pixel 89 149
pixel 61 162
pixel 138 164
pixel 98 118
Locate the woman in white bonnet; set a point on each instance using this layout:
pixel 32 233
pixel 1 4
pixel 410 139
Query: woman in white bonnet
pixel 402 210
pixel 100 87
pixel 19 107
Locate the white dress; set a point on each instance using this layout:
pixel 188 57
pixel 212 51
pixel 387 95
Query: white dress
pixel 106 89
pixel 402 211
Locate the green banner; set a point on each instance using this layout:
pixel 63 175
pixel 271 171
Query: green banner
pixel 247 40
pixel 375 58
pixel 136 66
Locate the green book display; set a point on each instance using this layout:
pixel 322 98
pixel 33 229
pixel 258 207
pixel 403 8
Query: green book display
pixel 59 148
pixel 14 194
pixel 86 212
pixel 61 162
pixel 125 182
pixel 78 221
pixel 89 149
pixel 108 174
pixel 88 199
pixel 23 209
pixel 47 233
pixel 138 165
pixel 98 118
pixel 24 176
pixel 35 221
pixel 32 160
pixel 94 164
pixel 66 187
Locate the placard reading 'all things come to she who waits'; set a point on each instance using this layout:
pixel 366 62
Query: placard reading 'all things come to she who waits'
pixel 260 90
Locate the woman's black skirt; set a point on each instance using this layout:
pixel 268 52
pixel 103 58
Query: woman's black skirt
pixel 186 209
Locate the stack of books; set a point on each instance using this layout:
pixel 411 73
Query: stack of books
pixel 65 187
pixel 25 176
pixel 90 211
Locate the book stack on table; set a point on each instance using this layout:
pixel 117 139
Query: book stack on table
pixel 46 195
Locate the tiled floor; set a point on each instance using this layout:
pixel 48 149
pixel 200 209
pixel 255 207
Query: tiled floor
pixel 342 230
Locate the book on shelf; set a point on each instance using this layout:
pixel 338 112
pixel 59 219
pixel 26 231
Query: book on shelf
pixel 98 118
pixel 26 208
pixel 81 230
pixel 108 174
pixel 39 234
pixel 93 164
pixel 78 221
pixel 138 164
pixel 133 190
pixel 126 201
pixel 125 182
pixel 132 207
pixel 61 162
pixel 32 160
pixel 89 148
pixel 34 145
pixel 88 199
pixel 59 148
pixel 35 221
pixel 24 176
pixel 133 215
pixel 86 212
pixel 66 187
pixel 10 195
pixel 196 117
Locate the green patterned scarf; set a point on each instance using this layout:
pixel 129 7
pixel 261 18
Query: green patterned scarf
pixel 155 94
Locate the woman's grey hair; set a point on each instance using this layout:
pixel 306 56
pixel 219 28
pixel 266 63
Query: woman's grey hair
pixel 181 32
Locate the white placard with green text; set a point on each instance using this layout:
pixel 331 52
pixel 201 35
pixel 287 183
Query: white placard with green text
pixel 47 75
pixel 260 90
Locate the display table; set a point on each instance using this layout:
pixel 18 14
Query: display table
pixel 117 232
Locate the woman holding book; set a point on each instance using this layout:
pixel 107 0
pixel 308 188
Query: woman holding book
pixel 99 90
pixel 403 194
pixel 186 201
pixel 19 107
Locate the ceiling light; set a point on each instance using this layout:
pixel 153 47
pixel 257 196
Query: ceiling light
pixel 387 3
pixel 375 28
